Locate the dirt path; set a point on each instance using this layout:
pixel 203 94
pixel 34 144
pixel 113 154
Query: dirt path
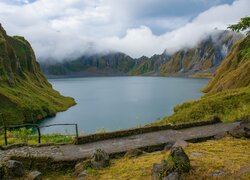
pixel 119 145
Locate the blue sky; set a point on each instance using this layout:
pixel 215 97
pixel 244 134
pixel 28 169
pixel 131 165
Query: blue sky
pixel 64 28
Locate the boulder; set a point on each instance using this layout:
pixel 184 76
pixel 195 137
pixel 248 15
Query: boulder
pixel 100 159
pixel 180 159
pixel 83 175
pixel 242 130
pixel 176 164
pixel 173 176
pixel 180 143
pixel 15 168
pixel 35 175
pixel 134 153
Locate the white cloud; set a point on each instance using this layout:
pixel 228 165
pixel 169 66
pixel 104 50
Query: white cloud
pixel 65 28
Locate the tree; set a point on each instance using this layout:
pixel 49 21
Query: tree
pixel 244 24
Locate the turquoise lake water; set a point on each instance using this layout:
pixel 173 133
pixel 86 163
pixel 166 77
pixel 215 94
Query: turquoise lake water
pixel 112 103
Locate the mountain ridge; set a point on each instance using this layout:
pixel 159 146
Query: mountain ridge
pixel 204 58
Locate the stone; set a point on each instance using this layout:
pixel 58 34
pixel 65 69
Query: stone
pixel 35 175
pixel 1 171
pixel 172 176
pixel 15 168
pixel 156 171
pixel 133 153
pixel 83 175
pixel 167 166
pixel 217 174
pixel 100 159
pixel 195 154
pixel 180 159
pixel 239 131
pixel 180 143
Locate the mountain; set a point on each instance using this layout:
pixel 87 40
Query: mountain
pixel 25 94
pixel 228 92
pixel 201 60
pixel 234 71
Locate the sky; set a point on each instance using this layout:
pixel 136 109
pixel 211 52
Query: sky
pixel 66 29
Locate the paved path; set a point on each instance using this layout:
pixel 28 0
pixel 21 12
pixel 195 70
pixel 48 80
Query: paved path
pixel 118 145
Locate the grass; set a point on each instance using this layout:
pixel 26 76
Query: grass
pixel 24 135
pixel 228 155
pixel 230 105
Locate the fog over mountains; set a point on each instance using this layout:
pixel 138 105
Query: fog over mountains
pixel 63 29
pixel 203 58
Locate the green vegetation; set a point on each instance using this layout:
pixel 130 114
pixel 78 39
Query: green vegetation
pixel 242 25
pixel 217 156
pixel 25 94
pixel 230 105
pixel 228 92
pixel 234 72
pixel 24 135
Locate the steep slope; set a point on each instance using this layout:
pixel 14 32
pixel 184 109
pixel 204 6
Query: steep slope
pixel 25 94
pixel 203 58
pixel 228 92
pixel 234 72
pixel 200 60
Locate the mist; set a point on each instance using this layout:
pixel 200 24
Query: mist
pixel 63 29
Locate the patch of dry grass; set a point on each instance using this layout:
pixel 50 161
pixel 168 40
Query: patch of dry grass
pixel 228 156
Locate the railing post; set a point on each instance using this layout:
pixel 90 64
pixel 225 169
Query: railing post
pixel 39 134
pixel 5 131
pixel 5 135
pixel 76 134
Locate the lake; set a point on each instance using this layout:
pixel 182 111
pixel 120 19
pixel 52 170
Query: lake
pixel 112 103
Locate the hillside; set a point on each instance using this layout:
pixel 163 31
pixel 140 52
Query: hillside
pixel 25 94
pixel 203 59
pixel 234 72
pixel 228 92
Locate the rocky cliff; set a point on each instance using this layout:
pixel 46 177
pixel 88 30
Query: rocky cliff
pixel 25 94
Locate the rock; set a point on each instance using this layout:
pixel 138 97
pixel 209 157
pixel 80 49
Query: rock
pixel 35 175
pixel 195 154
pixel 156 171
pixel 180 159
pixel 83 175
pixel 1 171
pixel 174 167
pixel 216 174
pixel 240 130
pixel 220 135
pixel 172 176
pixel 15 168
pixel 100 159
pixel 180 143
pixel 134 153
pixel 167 166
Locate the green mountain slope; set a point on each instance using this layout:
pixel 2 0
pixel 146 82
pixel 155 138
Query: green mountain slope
pixel 234 72
pixel 25 94
pixel 228 92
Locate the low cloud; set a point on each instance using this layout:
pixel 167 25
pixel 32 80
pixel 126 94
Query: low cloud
pixel 62 29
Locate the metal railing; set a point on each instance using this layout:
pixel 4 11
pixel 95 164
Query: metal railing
pixel 38 127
